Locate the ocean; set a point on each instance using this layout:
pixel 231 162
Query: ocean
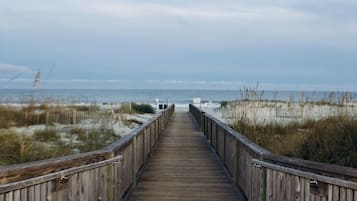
pixel 176 96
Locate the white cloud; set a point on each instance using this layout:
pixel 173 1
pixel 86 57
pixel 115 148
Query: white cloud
pixel 11 69
pixel 289 20
pixel 208 11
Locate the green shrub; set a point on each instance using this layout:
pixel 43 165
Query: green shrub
pixel 85 108
pixel 332 141
pixel 224 104
pixel 143 108
pixel 278 139
pixel 130 108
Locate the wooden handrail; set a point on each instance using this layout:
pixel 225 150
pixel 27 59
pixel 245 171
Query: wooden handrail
pixel 117 179
pixel 238 152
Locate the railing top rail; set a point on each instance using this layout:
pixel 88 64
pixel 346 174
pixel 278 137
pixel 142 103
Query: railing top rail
pixel 27 170
pixel 241 138
pixel 339 171
pixel 116 146
pixel 308 175
pixel 60 174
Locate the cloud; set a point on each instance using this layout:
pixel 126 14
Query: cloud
pixel 236 11
pixel 241 21
pixel 14 69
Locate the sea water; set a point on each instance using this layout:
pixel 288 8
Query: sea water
pixel 152 96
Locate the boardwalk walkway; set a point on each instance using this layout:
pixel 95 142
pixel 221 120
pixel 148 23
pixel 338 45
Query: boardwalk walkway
pixel 183 167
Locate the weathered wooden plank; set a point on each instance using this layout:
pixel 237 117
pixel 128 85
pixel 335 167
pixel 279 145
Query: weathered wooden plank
pixel 86 184
pixel 275 186
pixel 342 194
pixel 330 193
pixel 255 177
pixel 44 191
pixel 281 186
pixel 49 191
pixel 316 167
pixel 307 189
pixel 99 190
pixel 349 195
pixel 231 155
pixel 21 172
pixel 288 192
pixel 147 142
pixel 209 129
pixel 54 176
pixel 9 195
pixel 140 151
pixel 312 197
pixel 269 185
pixel 298 189
pixel 220 142
pixel 263 184
pixel 214 135
pixel 17 195
pixel 117 181
pixel 310 175
pixel 38 192
pixel 91 186
pixel 336 193
pixel 24 195
pixel 31 193
pixel 303 189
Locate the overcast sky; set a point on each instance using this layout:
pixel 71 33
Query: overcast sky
pixel 282 44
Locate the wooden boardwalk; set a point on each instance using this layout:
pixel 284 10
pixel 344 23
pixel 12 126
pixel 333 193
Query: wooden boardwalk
pixel 183 167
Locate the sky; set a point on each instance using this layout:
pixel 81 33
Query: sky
pixel 210 44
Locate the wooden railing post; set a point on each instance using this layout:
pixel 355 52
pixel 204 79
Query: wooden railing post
pixel 263 184
pixel 134 160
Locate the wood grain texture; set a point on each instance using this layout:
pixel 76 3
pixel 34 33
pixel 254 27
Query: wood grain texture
pixel 231 155
pixel 183 167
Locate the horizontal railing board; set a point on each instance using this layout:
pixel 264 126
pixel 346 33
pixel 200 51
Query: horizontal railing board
pixel 56 175
pixel 23 171
pixel 339 171
pixel 312 176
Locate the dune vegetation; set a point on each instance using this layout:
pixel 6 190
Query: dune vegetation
pixel 35 132
pixel 298 129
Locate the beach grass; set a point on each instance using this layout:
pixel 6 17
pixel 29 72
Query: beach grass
pixel 32 132
pixel 331 138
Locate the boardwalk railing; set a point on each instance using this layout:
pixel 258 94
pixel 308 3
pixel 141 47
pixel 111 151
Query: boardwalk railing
pixel 261 175
pixel 107 174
